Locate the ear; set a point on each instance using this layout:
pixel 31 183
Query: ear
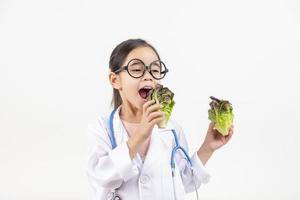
pixel 114 80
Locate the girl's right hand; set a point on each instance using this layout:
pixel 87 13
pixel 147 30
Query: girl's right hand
pixel 151 115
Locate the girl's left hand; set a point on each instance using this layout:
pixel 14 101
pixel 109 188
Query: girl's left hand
pixel 214 140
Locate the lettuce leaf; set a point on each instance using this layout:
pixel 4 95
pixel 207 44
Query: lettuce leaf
pixel 221 113
pixel 163 96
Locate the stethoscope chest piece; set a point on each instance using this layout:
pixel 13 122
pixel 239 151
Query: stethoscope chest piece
pixel 113 196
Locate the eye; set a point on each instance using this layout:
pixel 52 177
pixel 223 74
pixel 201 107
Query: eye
pixel 136 67
pixel 135 70
pixel 155 71
pixel 156 67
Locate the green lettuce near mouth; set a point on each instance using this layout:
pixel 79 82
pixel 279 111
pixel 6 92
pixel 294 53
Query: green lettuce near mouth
pixel 163 96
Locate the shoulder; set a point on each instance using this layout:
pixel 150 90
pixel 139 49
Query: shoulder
pixel 100 122
pixel 97 129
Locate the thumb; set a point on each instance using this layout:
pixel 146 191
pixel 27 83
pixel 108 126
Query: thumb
pixel 211 126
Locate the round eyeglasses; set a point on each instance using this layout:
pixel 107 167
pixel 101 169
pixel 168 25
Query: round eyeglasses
pixel 137 68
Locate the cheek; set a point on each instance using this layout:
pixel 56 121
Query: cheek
pixel 128 85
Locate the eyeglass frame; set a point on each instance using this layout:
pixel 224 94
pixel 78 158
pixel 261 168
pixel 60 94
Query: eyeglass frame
pixel 146 68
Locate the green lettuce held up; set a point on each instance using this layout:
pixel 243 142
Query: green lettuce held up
pixel 221 114
pixel 163 96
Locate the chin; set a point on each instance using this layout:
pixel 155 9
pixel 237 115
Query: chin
pixel 141 103
pixel 137 104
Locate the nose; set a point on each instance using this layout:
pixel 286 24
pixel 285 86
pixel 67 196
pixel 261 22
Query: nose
pixel 147 76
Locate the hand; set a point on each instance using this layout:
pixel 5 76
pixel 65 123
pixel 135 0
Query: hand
pixel 214 140
pixel 151 115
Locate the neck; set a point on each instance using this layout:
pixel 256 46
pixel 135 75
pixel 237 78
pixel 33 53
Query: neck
pixel 130 113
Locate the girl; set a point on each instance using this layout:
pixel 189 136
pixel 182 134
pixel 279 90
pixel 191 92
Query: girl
pixel 129 155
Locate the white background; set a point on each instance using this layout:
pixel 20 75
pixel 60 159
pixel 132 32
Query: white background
pixel 53 82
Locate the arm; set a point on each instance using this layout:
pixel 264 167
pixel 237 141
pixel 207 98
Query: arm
pixel 204 154
pixel 213 141
pixel 133 144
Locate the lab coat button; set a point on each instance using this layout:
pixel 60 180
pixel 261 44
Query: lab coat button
pixel 144 179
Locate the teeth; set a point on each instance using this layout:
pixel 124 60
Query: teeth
pixel 147 87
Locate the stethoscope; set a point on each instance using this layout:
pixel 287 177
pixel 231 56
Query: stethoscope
pixel 113 195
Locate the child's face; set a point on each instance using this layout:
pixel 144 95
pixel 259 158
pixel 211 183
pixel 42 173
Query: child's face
pixel 130 88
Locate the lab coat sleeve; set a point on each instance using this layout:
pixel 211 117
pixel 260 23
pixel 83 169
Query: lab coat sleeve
pixel 200 173
pixel 106 167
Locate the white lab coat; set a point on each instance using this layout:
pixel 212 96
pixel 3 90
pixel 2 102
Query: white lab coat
pixel 151 180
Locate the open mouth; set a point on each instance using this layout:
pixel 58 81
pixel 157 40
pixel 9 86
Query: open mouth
pixel 145 92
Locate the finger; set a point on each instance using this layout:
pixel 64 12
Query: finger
pixel 155 115
pixel 231 130
pixel 213 129
pixel 147 104
pixel 156 120
pixel 152 108
pixel 227 137
pixel 211 126
pixel 223 139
